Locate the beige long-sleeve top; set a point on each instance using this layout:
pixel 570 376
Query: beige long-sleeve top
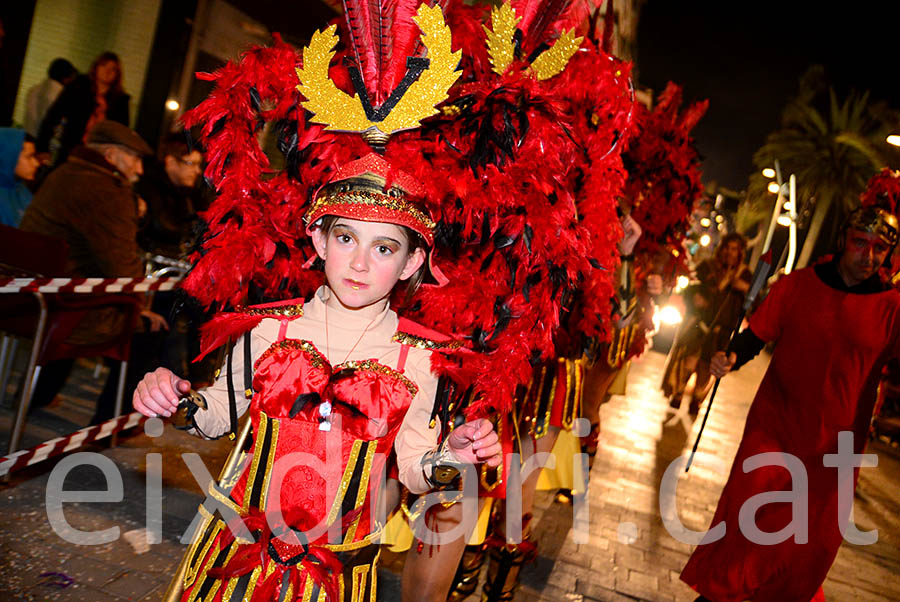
pixel 350 335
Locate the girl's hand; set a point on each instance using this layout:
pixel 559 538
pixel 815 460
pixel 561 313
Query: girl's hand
pixel 476 442
pixel 158 393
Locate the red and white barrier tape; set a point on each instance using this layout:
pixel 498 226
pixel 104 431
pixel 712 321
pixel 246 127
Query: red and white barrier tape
pixel 86 285
pixel 61 445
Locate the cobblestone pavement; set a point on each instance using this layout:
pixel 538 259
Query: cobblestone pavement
pixel 629 554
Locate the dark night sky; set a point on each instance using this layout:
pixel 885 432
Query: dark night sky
pixel 746 58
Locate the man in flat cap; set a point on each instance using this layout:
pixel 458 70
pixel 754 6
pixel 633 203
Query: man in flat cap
pixel 88 202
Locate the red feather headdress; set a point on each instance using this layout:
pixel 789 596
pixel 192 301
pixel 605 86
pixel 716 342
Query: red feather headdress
pixel 664 172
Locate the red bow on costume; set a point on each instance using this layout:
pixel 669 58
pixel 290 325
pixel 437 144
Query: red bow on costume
pixel 322 565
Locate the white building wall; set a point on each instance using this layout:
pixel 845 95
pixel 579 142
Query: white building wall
pixel 79 30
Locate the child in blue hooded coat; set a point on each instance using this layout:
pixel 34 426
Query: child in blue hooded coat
pixel 18 164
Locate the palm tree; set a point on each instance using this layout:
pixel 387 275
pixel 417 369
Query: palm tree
pixel 832 146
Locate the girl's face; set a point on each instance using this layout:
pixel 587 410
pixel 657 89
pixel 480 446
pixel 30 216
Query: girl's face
pixel 364 260
pixel 107 72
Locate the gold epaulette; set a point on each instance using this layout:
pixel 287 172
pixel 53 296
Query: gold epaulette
pixel 287 311
pixel 405 338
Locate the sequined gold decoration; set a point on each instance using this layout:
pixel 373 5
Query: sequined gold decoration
pixel 431 88
pixel 374 366
pixel 330 104
pixel 553 60
pixel 339 111
pixel 285 311
pixel 500 45
pixel 405 338
pixel 375 199
pixel 315 356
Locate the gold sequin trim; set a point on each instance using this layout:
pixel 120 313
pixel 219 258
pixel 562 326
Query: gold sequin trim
pixel 316 357
pixel 274 425
pixel 405 338
pixel 285 311
pixel 619 346
pixel 307 588
pixel 254 581
pixel 254 463
pixel 355 545
pixel 363 490
pixel 359 578
pixel 374 366
pixel 345 482
pixel 541 429
pixel 537 397
pixel 371 199
pixel 577 394
pixel 223 499
pixel 373 592
pixel 206 542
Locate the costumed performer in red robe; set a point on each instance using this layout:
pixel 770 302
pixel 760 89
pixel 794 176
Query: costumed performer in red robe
pixel 834 325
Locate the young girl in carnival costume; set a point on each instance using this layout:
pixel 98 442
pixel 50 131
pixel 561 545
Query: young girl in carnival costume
pixel 511 234
pixel 332 383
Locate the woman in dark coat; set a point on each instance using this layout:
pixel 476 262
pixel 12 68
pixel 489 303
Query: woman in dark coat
pixel 714 305
pixel 89 99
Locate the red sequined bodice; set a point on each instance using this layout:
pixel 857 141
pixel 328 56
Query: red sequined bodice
pixel 318 477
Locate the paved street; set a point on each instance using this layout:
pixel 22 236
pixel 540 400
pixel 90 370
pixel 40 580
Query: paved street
pixel 629 555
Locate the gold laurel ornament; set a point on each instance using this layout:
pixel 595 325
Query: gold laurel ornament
pixel 501 45
pixel 340 111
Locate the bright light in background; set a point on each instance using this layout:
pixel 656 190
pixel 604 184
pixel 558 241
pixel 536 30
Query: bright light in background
pixel 769 172
pixel 681 283
pixel 705 240
pixel 784 220
pixel 172 104
pixel 894 139
pixel 668 315
pixel 719 219
pixel 704 221
pixel 788 205
pixel 773 187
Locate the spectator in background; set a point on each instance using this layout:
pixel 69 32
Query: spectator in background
pixel 41 96
pixel 88 202
pixel 18 164
pixel 89 99
pixel 169 187
pixel 714 305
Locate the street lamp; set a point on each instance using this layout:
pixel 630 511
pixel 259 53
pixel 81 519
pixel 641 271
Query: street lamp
pixel 773 187
pixel 705 240
pixel 894 139
pixel 704 222
pixel 785 220
pixel 768 172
